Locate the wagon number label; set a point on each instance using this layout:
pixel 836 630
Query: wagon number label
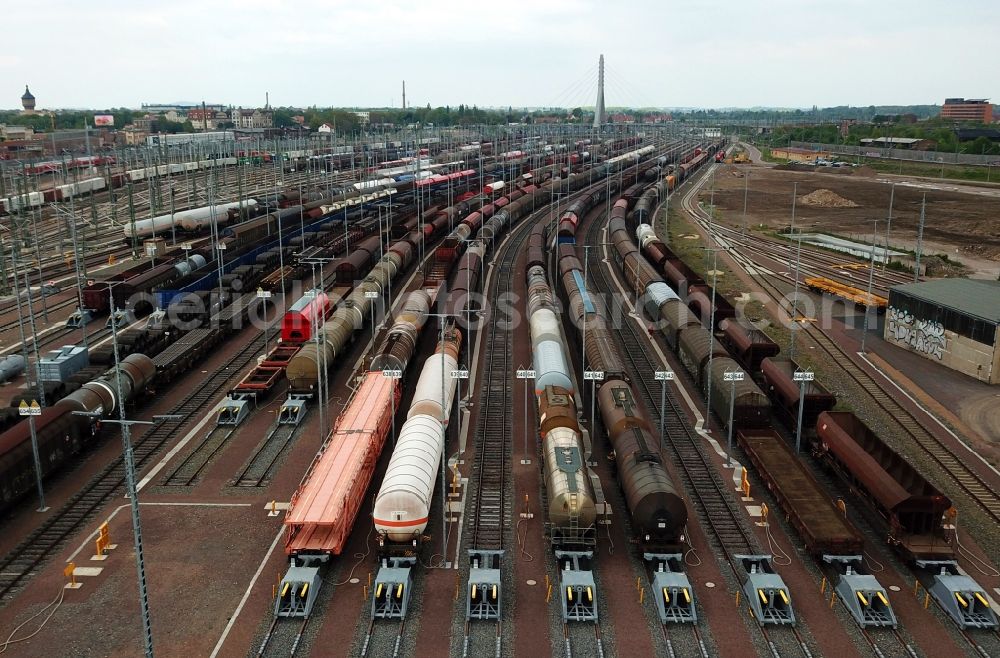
pixel 595 375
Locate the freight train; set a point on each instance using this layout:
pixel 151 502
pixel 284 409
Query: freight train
pixel 63 431
pixel 656 506
pixel 702 355
pixel 571 510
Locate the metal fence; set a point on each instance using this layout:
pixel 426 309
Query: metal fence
pixel 937 157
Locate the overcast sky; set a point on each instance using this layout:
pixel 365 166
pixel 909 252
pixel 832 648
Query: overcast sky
pixel 701 53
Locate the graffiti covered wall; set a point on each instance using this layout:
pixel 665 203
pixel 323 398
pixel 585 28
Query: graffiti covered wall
pixel 924 336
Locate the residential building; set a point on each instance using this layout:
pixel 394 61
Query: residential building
pixel 967 109
pixel 246 118
pixel 207 119
pixel 363 117
pixel 15 132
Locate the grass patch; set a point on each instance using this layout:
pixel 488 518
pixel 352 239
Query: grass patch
pixel 929 169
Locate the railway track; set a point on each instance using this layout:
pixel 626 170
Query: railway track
pixel 283 637
pixel 53 237
pixel 812 261
pixel 583 635
pixel 36 304
pixel 955 467
pixel 888 643
pixel 372 637
pixel 260 467
pixel 489 505
pixel 20 563
pixel 695 646
pixel 478 641
pixel 190 469
pixel 491 471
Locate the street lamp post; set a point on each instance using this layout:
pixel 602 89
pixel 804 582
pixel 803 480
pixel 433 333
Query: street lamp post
pixel 31 411
pixel 746 193
pixel 711 328
pixel 803 377
pixel 732 377
pixel 871 281
pixel 663 376
pixel 525 374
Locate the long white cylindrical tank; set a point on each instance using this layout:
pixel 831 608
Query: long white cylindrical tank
pixel 544 326
pixel 402 506
pixel 199 218
pixel 550 366
pixel 435 381
pixel 190 220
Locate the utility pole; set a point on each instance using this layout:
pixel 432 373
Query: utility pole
pixel 871 280
pixel 803 377
pixel 711 329
pixel 888 226
pixel 663 376
pixel 798 261
pixel 920 239
pixel 746 191
pixel 732 377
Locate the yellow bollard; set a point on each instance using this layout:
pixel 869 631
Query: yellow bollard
pixel 547 583
pixel 70 572
pixel 916 588
pixel 364 593
pixel 274 591
pixel 642 595
pixel 638 583
pixel 737 598
pixel 927 600
pixel 822 586
pixel 833 599
pixel 369 580
pixel 548 594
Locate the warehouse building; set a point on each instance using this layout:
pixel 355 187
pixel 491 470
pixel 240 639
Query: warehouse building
pixel 955 322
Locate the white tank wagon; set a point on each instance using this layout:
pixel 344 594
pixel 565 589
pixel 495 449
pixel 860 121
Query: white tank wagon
pixel 402 506
pixel 195 219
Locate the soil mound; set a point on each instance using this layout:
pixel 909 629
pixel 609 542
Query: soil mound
pixel 823 198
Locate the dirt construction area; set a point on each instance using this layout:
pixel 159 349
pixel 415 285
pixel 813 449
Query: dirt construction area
pixel 964 225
